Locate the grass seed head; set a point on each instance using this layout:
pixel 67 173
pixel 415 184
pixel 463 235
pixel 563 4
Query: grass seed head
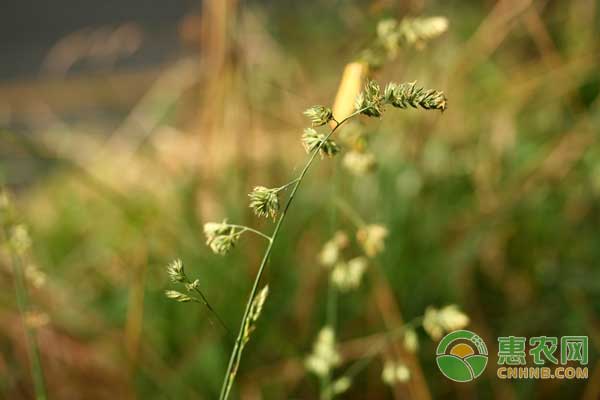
pixel 319 115
pixel 264 201
pixel 312 140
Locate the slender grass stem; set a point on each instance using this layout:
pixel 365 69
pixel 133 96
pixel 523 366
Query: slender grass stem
pixel 331 320
pixel 331 310
pixel 213 312
pixel 332 301
pixel 24 306
pixel 248 229
pixel 287 185
pixel 236 353
pixel 325 393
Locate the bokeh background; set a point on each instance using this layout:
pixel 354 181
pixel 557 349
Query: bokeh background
pixel 125 125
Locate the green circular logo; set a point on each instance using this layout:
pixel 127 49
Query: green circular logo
pixel 462 356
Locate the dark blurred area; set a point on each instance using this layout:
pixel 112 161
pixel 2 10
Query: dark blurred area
pixel 127 33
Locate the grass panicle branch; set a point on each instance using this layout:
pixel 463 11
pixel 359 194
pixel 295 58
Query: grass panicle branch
pixel 371 103
pixel 177 275
pixel 236 353
pixel 265 202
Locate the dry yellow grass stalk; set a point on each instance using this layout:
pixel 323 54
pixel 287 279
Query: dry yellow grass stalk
pixel 350 86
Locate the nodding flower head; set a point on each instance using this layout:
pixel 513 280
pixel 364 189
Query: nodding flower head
pixel 264 201
pixel 319 115
pixel 175 271
pixel 221 245
pixel 177 296
pixel 220 237
pixel 369 101
pixel 312 140
pixel 372 102
pixel 409 94
pixel 195 285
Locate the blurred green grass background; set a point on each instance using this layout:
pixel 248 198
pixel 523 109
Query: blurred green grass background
pixel 492 205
